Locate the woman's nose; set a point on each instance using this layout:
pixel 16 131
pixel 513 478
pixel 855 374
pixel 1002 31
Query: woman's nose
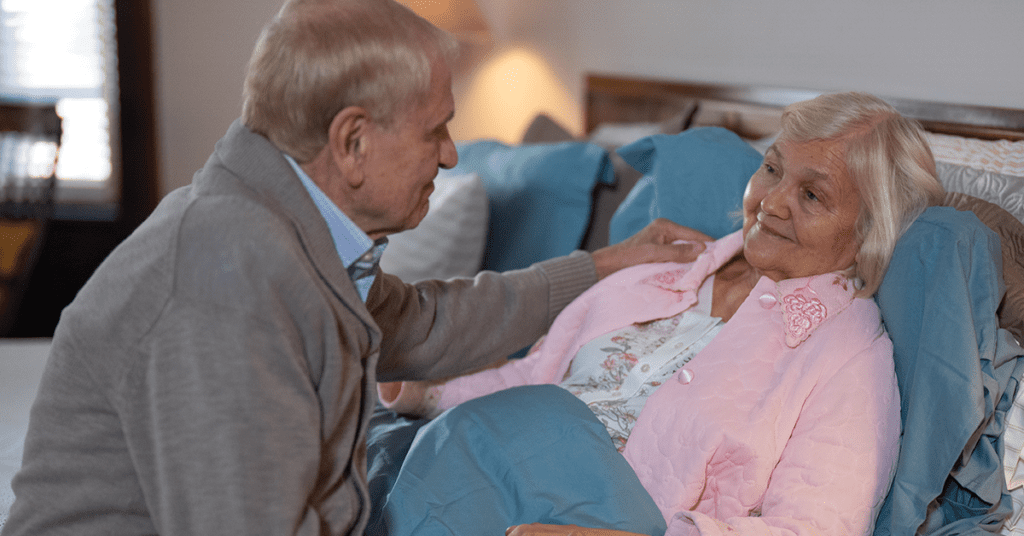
pixel 776 201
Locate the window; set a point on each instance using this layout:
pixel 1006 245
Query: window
pixel 65 52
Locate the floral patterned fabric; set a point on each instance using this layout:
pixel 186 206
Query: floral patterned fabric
pixel 615 373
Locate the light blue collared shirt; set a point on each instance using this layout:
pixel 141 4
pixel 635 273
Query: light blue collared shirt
pixel 358 253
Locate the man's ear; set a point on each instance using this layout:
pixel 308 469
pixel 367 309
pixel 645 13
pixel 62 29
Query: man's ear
pixel 348 139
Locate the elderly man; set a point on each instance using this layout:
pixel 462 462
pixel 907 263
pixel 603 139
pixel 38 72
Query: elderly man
pixel 217 373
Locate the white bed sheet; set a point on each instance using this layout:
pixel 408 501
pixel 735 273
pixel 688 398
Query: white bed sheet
pixel 21 368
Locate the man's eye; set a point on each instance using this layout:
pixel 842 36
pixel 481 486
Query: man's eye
pixel 769 168
pixel 810 196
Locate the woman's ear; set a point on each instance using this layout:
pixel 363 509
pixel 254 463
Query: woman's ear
pixel 348 140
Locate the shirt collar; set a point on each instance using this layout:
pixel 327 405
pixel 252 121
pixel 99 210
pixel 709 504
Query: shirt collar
pixel 804 302
pixel 359 254
pixel 807 302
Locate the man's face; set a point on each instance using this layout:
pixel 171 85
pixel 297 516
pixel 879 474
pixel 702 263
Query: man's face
pixel 402 160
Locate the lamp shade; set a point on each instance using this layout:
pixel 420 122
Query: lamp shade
pixel 461 18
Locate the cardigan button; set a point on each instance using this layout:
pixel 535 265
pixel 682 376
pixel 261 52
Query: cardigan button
pixel 684 376
pixel 768 300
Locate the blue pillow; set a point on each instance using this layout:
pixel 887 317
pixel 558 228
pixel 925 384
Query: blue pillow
pixel 695 178
pixel 540 197
pixel 529 454
pixel 957 372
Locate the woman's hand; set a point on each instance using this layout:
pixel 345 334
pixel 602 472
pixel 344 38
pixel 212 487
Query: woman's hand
pixel 660 241
pixel 537 529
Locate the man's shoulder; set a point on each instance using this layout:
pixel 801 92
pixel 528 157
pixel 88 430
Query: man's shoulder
pixel 192 244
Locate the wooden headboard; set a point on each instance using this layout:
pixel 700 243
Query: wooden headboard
pixel 754 111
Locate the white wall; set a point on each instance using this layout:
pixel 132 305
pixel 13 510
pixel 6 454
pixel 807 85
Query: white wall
pixel 964 51
pixel 945 50
pixel 202 47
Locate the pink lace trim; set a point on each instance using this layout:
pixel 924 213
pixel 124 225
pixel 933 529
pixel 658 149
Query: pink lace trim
pixel 802 309
pixel 802 315
pixel 666 280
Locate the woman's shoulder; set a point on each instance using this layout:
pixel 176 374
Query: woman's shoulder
pixel 857 337
pixel 863 316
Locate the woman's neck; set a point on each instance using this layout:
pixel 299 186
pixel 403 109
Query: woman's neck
pixel 733 283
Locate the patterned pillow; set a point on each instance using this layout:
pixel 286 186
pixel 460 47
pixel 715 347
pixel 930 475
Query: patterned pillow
pixel 989 170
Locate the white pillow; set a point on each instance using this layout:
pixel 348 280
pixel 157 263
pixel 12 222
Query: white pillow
pixel 616 135
pixel 449 242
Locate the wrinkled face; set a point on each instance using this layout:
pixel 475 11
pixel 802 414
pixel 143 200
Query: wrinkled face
pixel 800 211
pixel 402 160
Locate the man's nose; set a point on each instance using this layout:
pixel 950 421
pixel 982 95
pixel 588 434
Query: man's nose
pixel 448 156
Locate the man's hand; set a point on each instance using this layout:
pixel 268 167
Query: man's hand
pixel 536 529
pixel 660 241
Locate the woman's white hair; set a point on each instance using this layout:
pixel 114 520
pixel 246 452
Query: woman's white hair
pixel 318 57
pixel 889 159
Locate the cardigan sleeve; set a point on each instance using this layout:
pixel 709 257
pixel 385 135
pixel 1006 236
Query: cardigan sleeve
pixel 837 466
pixel 441 329
pixel 428 399
pixel 584 318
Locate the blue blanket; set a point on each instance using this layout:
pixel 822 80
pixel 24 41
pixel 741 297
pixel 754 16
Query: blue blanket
pixel 957 373
pixel 533 454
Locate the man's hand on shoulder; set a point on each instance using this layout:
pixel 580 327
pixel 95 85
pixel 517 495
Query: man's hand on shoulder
pixel 661 241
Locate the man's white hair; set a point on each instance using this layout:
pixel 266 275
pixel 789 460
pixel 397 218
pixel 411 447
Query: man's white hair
pixel 317 57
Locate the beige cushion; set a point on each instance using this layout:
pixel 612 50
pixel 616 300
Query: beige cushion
pixel 1011 235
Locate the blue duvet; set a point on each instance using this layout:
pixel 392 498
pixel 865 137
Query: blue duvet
pixel 523 455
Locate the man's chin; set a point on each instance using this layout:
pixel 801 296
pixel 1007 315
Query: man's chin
pixel 415 220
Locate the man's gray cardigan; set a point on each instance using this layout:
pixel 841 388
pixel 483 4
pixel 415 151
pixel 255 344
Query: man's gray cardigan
pixel 217 373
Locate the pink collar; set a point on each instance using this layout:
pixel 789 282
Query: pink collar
pixel 806 301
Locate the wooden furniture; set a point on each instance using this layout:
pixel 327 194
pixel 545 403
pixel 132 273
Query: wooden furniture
pixel 754 111
pixel 29 144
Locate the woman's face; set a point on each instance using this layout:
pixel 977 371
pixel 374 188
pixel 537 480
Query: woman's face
pixel 800 210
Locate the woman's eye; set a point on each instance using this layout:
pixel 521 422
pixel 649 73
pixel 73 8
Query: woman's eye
pixel 769 168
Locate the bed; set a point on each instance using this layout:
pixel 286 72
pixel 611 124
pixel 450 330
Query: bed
pixel 505 206
pixel 959 468
pixel 21 368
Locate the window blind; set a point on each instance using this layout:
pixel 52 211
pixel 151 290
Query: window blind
pixel 64 52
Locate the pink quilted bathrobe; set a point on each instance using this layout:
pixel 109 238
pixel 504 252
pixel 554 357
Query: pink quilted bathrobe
pixel 786 423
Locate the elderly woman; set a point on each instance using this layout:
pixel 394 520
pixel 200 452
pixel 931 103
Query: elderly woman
pixel 751 391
